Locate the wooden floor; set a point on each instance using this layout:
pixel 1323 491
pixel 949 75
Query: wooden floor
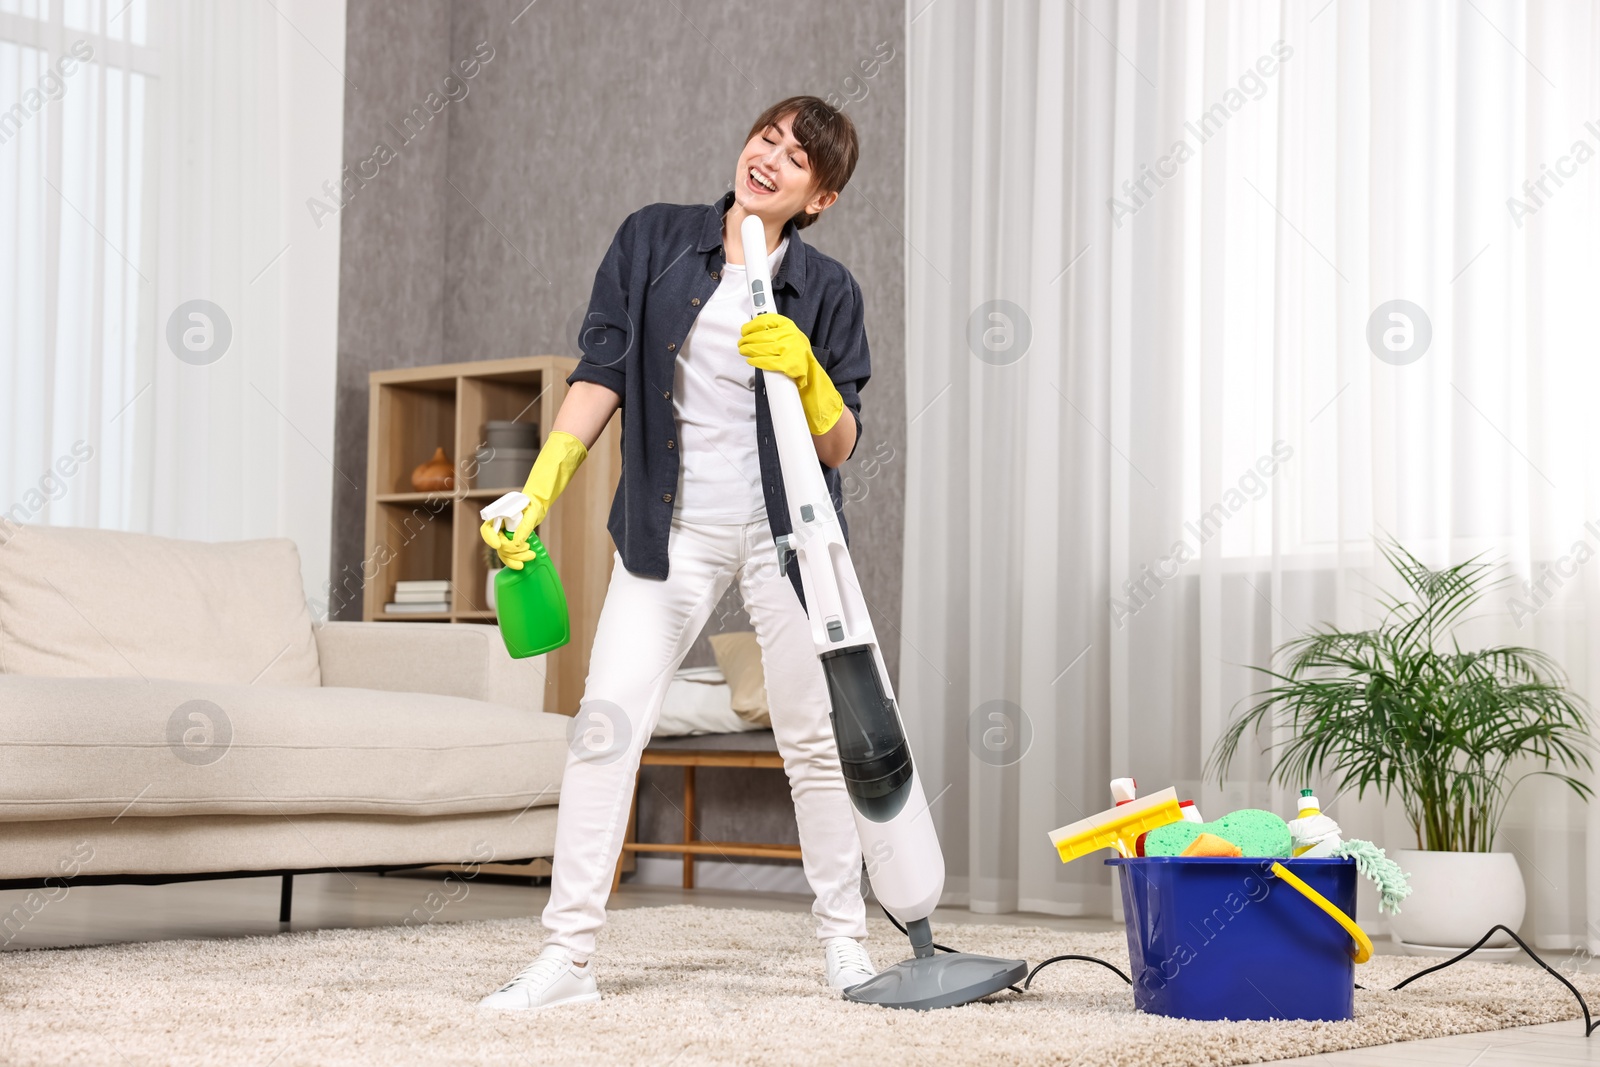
pixel 237 907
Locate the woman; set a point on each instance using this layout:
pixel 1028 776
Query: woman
pixel 669 339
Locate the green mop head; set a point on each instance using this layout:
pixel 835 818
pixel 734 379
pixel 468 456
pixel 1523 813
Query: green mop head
pixel 1392 884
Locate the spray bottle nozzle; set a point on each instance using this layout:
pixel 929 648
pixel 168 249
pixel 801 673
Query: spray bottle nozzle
pixel 506 511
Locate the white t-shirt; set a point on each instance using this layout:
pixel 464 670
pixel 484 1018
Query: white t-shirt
pixel 714 400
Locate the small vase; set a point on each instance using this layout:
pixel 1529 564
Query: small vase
pixel 488 588
pixel 435 476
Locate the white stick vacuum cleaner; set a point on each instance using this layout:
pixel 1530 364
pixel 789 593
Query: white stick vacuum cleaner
pixel 904 861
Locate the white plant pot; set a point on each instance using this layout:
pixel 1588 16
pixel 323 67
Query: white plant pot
pixel 1455 898
pixel 488 588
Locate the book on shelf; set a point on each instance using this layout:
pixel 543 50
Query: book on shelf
pixel 416 607
pixel 440 585
pixel 420 596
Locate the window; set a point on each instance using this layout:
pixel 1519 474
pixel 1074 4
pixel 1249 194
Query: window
pixel 76 96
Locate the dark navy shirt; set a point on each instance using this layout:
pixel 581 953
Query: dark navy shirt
pixel 662 267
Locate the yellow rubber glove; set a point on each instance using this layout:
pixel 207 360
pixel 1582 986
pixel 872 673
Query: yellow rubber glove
pixel 558 460
pixel 774 342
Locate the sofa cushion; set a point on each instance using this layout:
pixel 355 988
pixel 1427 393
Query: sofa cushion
pixel 110 604
pixel 207 843
pixel 73 748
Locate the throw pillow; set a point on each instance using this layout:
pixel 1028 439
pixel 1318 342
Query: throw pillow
pixel 739 656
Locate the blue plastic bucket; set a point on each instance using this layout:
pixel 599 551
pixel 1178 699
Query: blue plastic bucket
pixel 1224 938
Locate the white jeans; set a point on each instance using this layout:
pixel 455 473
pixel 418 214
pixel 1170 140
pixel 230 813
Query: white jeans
pixel 645 630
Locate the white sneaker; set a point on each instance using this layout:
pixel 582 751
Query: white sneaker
pixel 548 981
pixel 848 964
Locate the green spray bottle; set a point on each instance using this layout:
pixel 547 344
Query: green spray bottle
pixel 530 603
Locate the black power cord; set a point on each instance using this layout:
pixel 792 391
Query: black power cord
pixel 1113 968
pixel 1029 980
pixel 1589 1024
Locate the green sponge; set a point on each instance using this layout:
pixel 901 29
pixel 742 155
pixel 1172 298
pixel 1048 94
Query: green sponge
pixel 1256 832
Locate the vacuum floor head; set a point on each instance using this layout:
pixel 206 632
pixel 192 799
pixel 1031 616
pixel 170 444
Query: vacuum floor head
pixel 943 981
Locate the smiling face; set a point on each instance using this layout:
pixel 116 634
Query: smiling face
pixel 774 178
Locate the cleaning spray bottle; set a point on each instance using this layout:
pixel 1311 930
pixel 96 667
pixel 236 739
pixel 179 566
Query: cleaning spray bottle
pixel 530 602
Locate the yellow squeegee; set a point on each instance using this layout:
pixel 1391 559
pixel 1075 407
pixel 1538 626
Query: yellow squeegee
pixel 1118 828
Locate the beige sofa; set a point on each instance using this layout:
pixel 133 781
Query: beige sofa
pixel 167 708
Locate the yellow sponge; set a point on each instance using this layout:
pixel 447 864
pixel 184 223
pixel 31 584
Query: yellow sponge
pixel 1211 845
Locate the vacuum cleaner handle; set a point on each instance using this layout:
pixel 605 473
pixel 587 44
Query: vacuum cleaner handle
pixel 783 398
pixel 834 602
pixel 753 239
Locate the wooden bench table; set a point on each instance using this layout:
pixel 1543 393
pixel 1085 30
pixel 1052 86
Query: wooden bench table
pixel 757 748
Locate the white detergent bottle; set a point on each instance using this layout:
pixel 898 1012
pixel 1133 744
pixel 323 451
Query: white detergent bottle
pixel 1315 835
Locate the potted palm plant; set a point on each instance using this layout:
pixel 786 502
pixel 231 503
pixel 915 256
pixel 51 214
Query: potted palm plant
pixel 1402 709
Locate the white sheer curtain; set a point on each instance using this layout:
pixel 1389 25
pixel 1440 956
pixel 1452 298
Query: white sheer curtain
pixel 74 178
pixel 160 155
pixel 1173 447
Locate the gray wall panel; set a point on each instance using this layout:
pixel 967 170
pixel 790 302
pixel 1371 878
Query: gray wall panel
pixel 392 241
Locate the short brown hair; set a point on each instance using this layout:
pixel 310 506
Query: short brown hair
pixel 827 135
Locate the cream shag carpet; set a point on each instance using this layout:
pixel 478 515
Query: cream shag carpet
pixel 679 985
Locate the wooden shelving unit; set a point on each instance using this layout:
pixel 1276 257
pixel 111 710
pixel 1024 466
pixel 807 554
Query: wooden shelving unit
pixel 421 536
